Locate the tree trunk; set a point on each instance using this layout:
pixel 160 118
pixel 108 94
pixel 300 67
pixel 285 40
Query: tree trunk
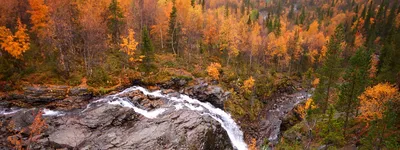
pixel 162 42
pixel 172 41
pixel 251 59
pixel 381 136
pixel 348 110
pixel 327 94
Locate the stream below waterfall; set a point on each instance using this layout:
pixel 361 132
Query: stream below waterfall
pixel 281 106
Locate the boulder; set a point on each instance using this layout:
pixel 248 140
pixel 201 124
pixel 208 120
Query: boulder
pixel 207 93
pixel 114 127
pixel 174 83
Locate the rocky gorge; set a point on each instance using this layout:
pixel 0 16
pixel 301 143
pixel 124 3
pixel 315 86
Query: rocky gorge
pixel 175 116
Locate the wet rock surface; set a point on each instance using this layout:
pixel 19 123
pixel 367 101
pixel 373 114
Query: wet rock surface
pixel 281 115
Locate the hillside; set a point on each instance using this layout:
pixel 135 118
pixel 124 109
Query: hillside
pixel 342 54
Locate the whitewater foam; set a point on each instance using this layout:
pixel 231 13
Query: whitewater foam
pixel 48 112
pixel 148 114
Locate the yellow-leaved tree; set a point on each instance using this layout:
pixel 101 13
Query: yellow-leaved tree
pixel 213 70
pixel 256 41
pixel 248 84
pixel 14 44
pixel 373 101
pixel 229 37
pixel 129 45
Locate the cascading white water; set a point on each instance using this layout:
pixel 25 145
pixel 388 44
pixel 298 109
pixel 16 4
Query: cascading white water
pixel 181 102
pixel 9 111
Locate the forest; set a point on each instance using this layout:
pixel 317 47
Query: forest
pixel 344 53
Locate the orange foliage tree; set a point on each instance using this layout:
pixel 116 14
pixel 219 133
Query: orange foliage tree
pixel 373 101
pixel 248 84
pixel 210 31
pixel 277 48
pixel 15 44
pixel 40 17
pixel 213 70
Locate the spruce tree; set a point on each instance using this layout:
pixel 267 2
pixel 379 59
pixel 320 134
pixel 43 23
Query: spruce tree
pixel 291 12
pixel 279 9
pixel 115 21
pixel 355 81
pixel 193 3
pixel 330 71
pixel 390 20
pixel 302 15
pixel 277 26
pixel 203 5
pixel 370 14
pixel 390 63
pixel 147 51
pixel 364 12
pixel 173 31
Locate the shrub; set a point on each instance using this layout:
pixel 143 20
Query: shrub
pixel 213 70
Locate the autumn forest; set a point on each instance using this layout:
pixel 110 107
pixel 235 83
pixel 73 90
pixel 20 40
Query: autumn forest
pixel 345 54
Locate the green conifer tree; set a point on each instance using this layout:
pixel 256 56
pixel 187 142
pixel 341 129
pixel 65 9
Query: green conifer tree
pixel 330 71
pixel 355 81
pixel 173 30
pixel 147 51
pixel 115 21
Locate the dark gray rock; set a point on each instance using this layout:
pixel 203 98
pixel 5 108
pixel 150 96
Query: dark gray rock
pixel 45 93
pixel 207 93
pixel 79 91
pixel 22 119
pixel 174 83
pixel 42 95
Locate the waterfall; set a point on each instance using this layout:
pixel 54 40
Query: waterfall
pixel 181 102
